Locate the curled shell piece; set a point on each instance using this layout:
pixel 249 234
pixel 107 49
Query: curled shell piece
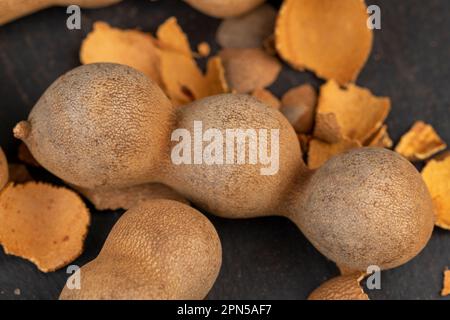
pixel 328 37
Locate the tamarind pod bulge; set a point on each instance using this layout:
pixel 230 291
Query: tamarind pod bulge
pixel 159 249
pixel 238 190
pixel 95 127
pixel 367 206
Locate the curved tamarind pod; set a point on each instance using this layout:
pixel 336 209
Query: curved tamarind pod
pixel 108 125
pixel 13 9
pixel 159 249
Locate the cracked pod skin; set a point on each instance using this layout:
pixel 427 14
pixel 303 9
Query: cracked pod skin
pixel 367 206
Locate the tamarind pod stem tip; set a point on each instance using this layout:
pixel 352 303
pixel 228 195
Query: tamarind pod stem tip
pixel 22 130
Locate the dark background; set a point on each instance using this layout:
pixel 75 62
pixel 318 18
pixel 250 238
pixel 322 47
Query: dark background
pixel 266 258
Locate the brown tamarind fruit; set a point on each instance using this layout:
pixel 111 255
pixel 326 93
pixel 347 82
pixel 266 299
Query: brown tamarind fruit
pixel 108 125
pixel 159 249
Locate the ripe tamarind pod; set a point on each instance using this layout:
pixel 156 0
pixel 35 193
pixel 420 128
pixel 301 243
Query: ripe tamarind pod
pixel 108 125
pixel 159 249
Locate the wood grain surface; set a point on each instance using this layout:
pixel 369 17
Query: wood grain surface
pixel 265 258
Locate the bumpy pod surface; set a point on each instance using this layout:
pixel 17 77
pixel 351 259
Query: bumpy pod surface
pixel 367 206
pixel 93 126
pixel 160 249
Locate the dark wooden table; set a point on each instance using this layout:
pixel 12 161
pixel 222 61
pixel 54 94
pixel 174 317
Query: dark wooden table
pixel 265 258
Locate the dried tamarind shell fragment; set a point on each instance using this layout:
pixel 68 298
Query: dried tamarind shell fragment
pixel 420 142
pixel 328 37
pixel 184 82
pixel 133 48
pixel 171 37
pixel 352 112
pixel 44 224
pixel 203 49
pixel 380 139
pixel 436 175
pixel 182 79
pixel 446 284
